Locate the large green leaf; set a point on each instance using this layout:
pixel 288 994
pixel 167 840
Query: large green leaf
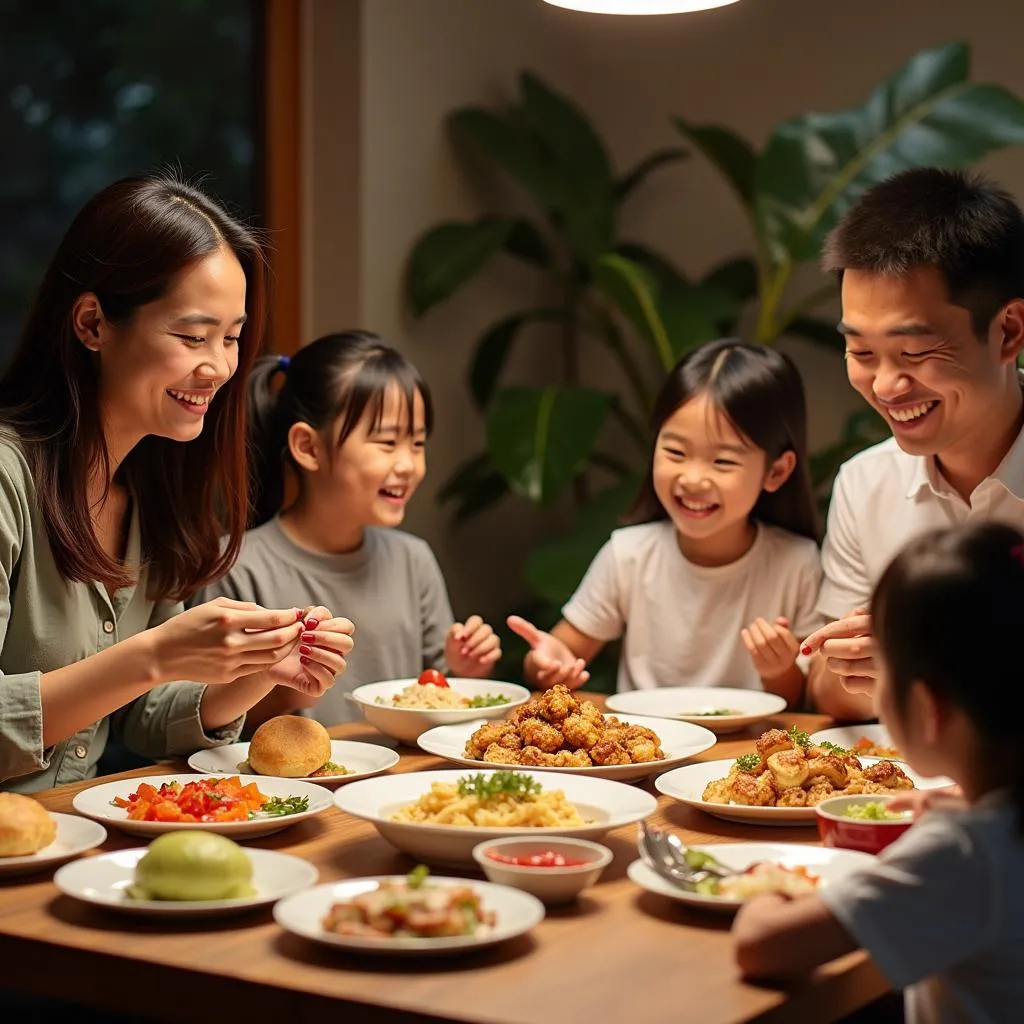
pixel 448 255
pixel 539 438
pixel 730 153
pixel 629 183
pixel 505 140
pixel 474 486
pixel 554 569
pixel 493 347
pixel 526 243
pixel 576 163
pixel 659 265
pixel 815 166
pixel 634 290
pixel 737 276
pixel 822 332
pixel 695 313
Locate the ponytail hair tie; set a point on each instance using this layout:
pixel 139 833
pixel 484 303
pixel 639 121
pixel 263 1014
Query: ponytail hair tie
pixel 283 363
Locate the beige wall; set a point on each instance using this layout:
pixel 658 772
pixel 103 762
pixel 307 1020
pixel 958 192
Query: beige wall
pixel 747 66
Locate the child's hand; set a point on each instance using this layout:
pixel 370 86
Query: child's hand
pixel 319 656
pixel 471 649
pixel 550 661
pixel 773 648
pixel 920 800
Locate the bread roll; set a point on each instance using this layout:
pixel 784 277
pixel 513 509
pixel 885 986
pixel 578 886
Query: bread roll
pixel 25 826
pixel 289 747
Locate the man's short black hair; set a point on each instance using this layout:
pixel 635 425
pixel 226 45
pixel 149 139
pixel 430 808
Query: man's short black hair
pixel 969 229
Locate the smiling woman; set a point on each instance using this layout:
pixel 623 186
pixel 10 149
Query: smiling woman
pixel 123 486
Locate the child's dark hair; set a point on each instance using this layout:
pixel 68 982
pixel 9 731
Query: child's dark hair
pixel 760 392
pixel 949 612
pixel 338 375
pixel 969 230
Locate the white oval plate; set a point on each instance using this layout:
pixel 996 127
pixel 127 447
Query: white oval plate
pixel 406 724
pixel 828 864
pixel 517 912
pixel 687 785
pixel 602 803
pixel 679 740
pixel 847 736
pixel 95 803
pixel 103 881
pixel 685 703
pixel 75 835
pixel 361 759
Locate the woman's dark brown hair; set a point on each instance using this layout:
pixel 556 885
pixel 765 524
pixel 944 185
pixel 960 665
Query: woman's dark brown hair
pixel 948 612
pixel 126 246
pixel 759 391
pixel 337 377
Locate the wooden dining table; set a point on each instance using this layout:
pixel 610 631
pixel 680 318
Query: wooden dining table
pixel 619 953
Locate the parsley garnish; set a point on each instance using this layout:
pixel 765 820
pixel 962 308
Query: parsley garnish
pixel 834 747
pixel 416 877
pixel 748 762
pixel 486 787
pixel 799 737
pixel 278 806
pixel 488 700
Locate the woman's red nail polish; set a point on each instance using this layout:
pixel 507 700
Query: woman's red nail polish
pixel 304 650
pixel 298 614
pixel 304 660
pixel 308 638
pixel 805 649
pixel 312 623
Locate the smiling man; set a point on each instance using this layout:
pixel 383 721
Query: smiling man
pixel 931 266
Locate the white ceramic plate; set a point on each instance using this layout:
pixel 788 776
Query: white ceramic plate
pixel 687 785
pixel 829 865
pixel 679 740
pixel 517 912
pixel 103 881
pixel 406 724
pixel 96 803
pixel 75 835
pixel 686 703
pixel 603 804
pixel 361 759
pixel 847 736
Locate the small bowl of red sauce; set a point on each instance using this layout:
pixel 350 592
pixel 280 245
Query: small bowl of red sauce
pixel 555 869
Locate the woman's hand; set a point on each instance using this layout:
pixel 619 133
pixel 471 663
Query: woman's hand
pixel 223 640
pixel 948 798
pixel 311 666
pixel 471 649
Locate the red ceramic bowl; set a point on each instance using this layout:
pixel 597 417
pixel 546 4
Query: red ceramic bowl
pixel 863 834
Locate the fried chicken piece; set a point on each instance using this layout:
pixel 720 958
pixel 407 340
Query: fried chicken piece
pixel 590 711
pixel 540 734
pixel 488 733
pixel 642 750
pixel 792 797
pixel 556 704
pixel 534 757
pixel 820 789
pixel 887 774
pixel 717 791
pixel 830 767
pixel 772 741
pixel 579 733
pixel 607 752
pixel 614 733
pixel 754 790
pixel 497 754
pixel 641 732
pixel 573 759
pixel 789 768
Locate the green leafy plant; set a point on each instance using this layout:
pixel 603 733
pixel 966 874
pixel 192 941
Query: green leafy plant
pixel 564 438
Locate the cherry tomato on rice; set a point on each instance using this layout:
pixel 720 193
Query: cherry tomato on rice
pixel 432 676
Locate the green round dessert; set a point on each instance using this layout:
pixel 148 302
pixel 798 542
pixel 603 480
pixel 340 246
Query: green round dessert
pixel 193 866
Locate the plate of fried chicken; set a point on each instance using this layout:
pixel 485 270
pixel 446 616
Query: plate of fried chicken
pixel 784 778
pixel 559 731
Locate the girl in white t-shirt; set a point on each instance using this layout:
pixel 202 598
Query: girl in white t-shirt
pixel 941 910
pixel 717 581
